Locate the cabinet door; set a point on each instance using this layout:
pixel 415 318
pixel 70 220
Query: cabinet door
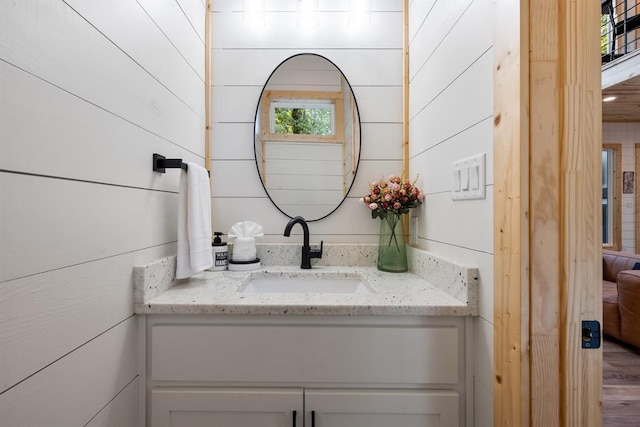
pixel 360 408
pixel 174 407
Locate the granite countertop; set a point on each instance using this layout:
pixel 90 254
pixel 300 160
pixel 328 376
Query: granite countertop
pixel 435 287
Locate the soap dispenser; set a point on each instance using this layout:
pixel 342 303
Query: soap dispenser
pixel 219 251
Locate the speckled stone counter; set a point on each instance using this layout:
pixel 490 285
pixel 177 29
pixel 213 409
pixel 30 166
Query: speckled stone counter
pixel 434 287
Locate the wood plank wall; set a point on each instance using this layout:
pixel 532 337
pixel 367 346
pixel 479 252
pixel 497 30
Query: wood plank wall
pixel 89 90
pixel 451 118
pixel 548 213
pixel 581 235
pixel 243 59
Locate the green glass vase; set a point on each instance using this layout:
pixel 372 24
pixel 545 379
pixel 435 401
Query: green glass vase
pixel 392 252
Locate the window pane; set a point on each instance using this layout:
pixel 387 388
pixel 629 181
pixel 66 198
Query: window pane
pixel 305 121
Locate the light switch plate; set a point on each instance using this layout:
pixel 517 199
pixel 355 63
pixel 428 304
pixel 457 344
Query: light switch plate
pixel 469 178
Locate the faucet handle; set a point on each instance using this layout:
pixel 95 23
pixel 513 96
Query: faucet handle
pixel 316 253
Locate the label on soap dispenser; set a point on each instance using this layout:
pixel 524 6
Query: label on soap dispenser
pixel 220 258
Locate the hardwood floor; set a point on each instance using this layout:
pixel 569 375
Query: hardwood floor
pixel 621 385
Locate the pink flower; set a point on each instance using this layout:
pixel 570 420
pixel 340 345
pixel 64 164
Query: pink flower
pixel 392 194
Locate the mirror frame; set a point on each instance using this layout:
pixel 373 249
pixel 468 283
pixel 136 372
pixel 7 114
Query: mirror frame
pixel 359 142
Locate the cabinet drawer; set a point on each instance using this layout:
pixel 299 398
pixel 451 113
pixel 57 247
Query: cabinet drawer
pixel 305 353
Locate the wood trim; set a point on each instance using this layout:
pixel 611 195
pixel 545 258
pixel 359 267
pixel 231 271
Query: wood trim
pixel 616 244
pixel 405 94
pixel 510 204
pixel 301 94
pixel 581 235
pixel 636 214
pixel 207 87
pixel 405 109
pixel 282 137
pixel 545 207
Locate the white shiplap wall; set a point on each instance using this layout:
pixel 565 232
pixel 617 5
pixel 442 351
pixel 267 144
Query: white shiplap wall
pixel 451 109
pixel 88 91
pixel 627 135
pixel 243 59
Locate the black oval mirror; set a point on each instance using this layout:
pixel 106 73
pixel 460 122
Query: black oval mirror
pixel 307 137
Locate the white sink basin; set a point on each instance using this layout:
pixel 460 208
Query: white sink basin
pixel 310 283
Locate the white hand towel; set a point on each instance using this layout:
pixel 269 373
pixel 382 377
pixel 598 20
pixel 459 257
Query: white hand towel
pixel 194 222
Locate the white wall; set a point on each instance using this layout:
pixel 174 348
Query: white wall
pixel 451 109
pixel 89 90
pixel 627 135
pixel 243 59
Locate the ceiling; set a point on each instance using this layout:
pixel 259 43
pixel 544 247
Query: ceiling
pixel 626 106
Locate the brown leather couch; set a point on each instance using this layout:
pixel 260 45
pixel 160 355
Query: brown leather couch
pixel 621 296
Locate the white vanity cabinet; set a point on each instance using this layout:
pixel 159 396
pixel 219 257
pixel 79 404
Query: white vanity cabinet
pixel 312 371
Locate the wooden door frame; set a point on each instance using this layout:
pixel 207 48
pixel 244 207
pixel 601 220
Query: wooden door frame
pixel 547 238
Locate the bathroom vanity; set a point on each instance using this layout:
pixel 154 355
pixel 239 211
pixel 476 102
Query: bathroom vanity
pixel 396 352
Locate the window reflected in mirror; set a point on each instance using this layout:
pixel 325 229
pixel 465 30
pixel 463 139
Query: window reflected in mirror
pixel 304 118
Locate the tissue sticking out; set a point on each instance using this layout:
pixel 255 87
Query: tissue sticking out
pixel 244 254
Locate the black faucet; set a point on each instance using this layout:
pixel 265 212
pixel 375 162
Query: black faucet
pixel 307 252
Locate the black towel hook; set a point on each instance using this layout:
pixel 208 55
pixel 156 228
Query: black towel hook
pixel 160 163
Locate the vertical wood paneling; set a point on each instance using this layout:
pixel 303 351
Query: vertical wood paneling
pixel 511 297
pixel 207 87
pixel 545 213
pixel 582 213
pixel 545 226
pixel 556 243
pixel 405 98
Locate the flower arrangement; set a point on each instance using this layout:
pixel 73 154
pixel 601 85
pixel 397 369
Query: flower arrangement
pixel 392 195
pixel 388 200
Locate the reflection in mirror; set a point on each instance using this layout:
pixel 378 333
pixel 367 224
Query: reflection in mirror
pixel 307 137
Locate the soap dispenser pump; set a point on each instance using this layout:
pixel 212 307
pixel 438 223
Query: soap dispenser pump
pixel 220 252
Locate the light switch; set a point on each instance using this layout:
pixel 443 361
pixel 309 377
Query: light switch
pixel 456 180
pixel 464 178
pixel 474 177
